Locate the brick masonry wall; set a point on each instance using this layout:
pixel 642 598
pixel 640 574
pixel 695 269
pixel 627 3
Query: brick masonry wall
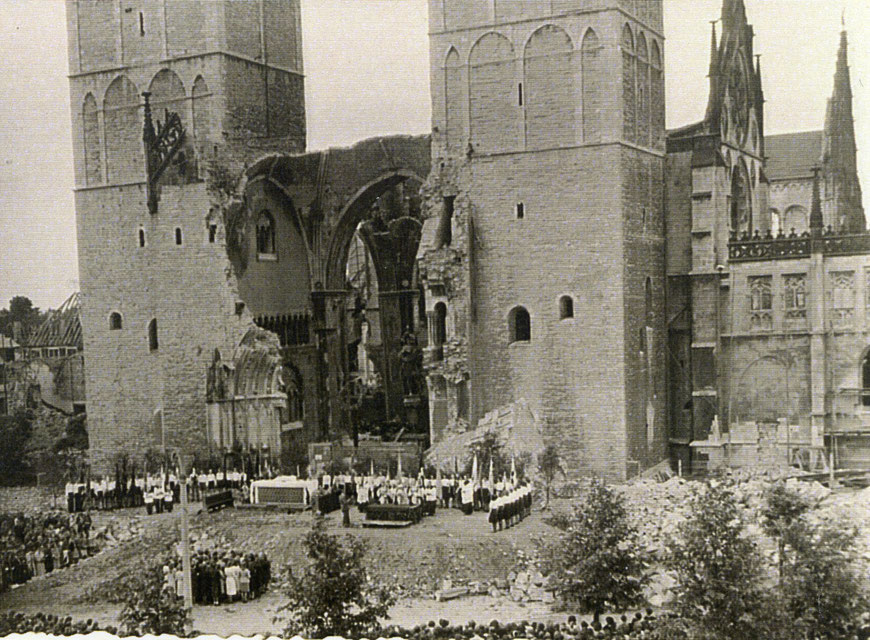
pixel 645 374
pixel 572 370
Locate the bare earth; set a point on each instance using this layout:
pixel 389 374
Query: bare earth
pixel 416 559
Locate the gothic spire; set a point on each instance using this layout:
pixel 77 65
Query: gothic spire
pixel 714 51
pixel 840 151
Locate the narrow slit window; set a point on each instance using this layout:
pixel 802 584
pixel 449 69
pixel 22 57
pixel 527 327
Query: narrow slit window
pixel 141 24
pixel 153 345
pixel 178 235
pixel 212 233
pixel 141 238
pixel 521 210
pixel 520 94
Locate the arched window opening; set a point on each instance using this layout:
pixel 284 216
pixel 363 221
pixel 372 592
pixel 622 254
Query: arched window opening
pixel 455 101
pixel 741 200
pixel 549 88
pixel 657 99
pixel 115 321
pixel 520 325
pixel 265 234
pixel 439 331
pixel 152 335
pixel 141 237
pixel 865 381
pixel 775 222
pixel 92 141
pixel 566 307
pixel 592 86
pixel 643 91
pixel 201 110
pixel 178 235
pixel 125 160
pixel 168 94
pixel 494 116
pixel 629 86
pixel 795 218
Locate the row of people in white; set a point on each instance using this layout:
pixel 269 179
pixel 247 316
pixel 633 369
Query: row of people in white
pixel 509 508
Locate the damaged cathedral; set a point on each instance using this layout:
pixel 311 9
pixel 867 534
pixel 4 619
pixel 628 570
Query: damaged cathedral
pixel 550 252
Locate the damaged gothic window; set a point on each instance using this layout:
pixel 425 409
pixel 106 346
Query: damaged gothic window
pixel 265 235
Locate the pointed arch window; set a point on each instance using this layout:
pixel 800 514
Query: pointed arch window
pixel 741 200
pixel 266 236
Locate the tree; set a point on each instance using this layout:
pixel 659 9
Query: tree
pixel 15 432
pixel 488 449
pixel 20 310
pixel 595 563
pixel 150 607
pixel 549 465
pixel 333 595
pixel 719 572
pixel 820 587
pixel 781 508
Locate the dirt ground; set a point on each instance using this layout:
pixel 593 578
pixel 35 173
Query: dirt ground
pixel 417 560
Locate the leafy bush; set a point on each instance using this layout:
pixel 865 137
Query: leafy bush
pixel 333 595
pixel 595 563
pixel 12 622
pixel 150 607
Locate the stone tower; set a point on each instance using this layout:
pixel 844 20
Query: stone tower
pixel 157 296
pixel 551 175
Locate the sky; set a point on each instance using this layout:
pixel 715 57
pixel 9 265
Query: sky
pixel 366 66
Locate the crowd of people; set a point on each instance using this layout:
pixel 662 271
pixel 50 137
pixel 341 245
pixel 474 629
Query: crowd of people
pixel 220 577
pixel 157 493
pixel 507 501
pixel 640 625
pixel 35 545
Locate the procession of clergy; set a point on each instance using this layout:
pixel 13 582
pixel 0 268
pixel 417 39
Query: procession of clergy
pixel 507 501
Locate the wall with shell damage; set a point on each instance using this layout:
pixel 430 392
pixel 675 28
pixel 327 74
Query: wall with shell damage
pixel 444 270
